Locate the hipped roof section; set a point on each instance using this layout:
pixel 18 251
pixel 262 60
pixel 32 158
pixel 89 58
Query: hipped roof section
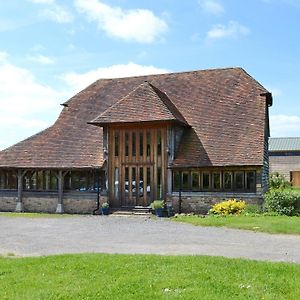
pixel 146 103
pixel 225 109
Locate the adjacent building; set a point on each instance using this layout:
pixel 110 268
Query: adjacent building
pixel 191 138
pixel 284 155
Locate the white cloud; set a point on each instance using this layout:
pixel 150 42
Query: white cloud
pixel 232 30
pixel 284 125
pixel 212 7
pixel 77 81
pixel 26 105
pixel 139 25
pixel 41 59
pixel 57 14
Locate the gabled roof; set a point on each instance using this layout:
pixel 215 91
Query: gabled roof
pixel 284 144
pixel 145 103
pixel 225 108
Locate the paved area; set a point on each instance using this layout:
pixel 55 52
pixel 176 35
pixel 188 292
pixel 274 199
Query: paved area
pixel 112 234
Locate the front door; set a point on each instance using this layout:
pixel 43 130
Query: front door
pixel 137 165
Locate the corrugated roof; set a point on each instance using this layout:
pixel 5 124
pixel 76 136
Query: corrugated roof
pixel 284 144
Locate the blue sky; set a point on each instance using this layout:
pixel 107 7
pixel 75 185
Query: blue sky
pixel 51 49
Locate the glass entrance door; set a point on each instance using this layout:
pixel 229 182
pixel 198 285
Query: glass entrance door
pixel 138 164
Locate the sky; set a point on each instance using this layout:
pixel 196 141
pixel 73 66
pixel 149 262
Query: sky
pixel 52 49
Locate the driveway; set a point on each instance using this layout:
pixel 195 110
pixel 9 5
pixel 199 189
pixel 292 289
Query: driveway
pixel 25 236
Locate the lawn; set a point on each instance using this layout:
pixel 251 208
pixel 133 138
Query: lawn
pixel 270 224
pixel 105 276
pixel 34 215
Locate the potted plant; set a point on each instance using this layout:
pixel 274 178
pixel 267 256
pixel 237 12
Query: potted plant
pixel 158 206
pixel 105 208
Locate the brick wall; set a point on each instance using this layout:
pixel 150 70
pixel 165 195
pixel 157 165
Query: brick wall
pixel 202 202
pixel 39 202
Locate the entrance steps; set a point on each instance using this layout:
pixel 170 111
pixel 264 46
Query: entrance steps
pixel 129 211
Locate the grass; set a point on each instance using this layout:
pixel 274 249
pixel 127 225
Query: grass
pixel 34 215
pixel 269 224
pixel 105 276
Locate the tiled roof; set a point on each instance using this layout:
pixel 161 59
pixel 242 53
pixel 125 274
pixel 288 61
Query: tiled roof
pixel 284 144
pixel 225 108
pixel 146 103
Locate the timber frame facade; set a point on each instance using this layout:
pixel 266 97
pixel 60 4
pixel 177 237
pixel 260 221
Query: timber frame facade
pixel 191 139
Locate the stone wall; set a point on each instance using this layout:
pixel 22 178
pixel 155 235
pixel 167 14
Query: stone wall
pixel 8 201
pixel 39 202
pixel 200 203
pixel 78 203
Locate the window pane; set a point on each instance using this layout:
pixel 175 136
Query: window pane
pixel 159 183
pixel 148 143
pixel 133 144
pixel 239 180
pixel 126 183
pixel 134 186
pixel 141 182
pixel 216 180
pixel 227 180
pixel 117 143
pixel 176 181
pixel 116 189
pixel 185 181
pixel 141 144
pixel 195 180
pixel 148 184
pixel 158 142
pixel 250 181
pixel 126 144
pixel 206 181
pixel 8 180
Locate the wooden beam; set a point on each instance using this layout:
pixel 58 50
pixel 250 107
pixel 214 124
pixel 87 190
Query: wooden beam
pixel 19 205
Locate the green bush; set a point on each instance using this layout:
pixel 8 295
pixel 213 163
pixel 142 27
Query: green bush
pixel 282 202
pixel 252 209
pixel 229 207
pixel 277 181
pixel 157 204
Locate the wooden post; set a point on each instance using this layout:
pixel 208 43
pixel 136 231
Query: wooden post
pixel 60 177
pixel 19 205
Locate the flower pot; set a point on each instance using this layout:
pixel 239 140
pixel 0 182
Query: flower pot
pixel 105 211
pixel 159 212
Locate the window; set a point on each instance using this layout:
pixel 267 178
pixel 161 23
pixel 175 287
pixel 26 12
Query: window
pixel 250 181
pixel 239 180
pixel 148 143
pixel 195 181
pixel 216 176
pixel 126 144
pixel 117 143
pixel 159 183
pixel 40 180
pixel 206 180
pixel 133 144
pixel 141 144
pixel 185 181
pixel 227 180
pixel 158 142
pixel 176 180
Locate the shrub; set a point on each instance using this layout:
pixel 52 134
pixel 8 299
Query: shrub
pixel 252 209
pixel 157 204
pixel 282 202
pixel 228 207
pixel 277 181
pixel 105 205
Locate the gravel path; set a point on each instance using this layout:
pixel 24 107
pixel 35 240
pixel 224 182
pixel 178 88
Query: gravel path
pixel 112 234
